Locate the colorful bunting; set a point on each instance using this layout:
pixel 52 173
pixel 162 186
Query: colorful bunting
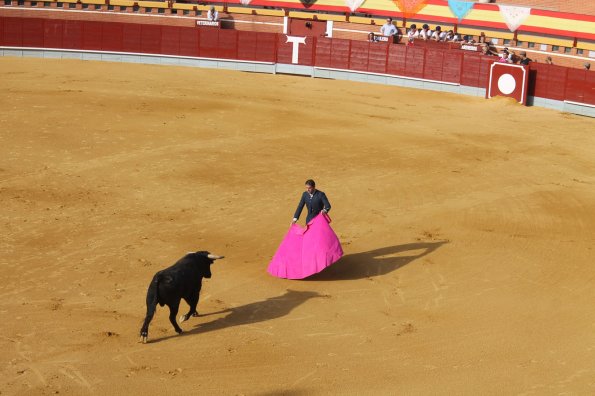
pixel 514 16
pixel 460 9
pixel 409 8
pixel 354 4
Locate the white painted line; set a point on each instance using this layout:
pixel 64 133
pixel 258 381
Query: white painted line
pixel 351 31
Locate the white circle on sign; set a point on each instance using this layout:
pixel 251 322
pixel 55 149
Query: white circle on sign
pixel 506 84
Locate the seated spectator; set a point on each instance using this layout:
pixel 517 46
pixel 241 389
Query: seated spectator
pixel 388 29
pixel 523 58
pixel 212 14
pixel 412 34
pixel 486 50
pixel 587 66
pixel 425 33
pixel 548 60
pixel 468 39
pixel 449 36
pixel 442 36
pixel 505 56
pixel 436 33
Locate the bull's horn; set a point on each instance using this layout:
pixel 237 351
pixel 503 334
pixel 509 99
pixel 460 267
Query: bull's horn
pixel 214 257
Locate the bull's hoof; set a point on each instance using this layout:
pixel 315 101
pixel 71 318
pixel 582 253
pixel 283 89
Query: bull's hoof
pixel 179 331
pixel 143 339
pixel 195 314
pixel 182 318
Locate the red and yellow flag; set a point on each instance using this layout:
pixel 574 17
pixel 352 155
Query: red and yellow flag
pixel 410 7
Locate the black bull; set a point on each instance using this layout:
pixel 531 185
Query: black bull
pixel 182 280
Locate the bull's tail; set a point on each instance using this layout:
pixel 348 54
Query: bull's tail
pixel 152 300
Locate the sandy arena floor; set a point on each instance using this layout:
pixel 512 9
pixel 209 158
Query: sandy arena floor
pixel 468 227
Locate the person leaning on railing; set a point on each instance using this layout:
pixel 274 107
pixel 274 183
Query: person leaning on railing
pixel 412 34
pixel 425 33
pixel 486 50
pixel 523 60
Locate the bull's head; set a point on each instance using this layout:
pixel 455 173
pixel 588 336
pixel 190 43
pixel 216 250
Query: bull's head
pixel 210 260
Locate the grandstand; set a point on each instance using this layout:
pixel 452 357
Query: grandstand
pixel 561 30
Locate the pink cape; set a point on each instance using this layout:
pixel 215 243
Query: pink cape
pixel 306 250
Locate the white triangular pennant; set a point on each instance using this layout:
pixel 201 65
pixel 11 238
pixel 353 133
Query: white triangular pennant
pixel 514 16
pixel 354 4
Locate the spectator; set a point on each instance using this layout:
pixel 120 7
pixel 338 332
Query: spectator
pixel 412 34
pixel 425 32
pixel 212 14
pixel 509 55
pixel 548 60
pixel 523 58
pixel 505 56
pixel 449 36
pixel 436 34
pixel 587 66
pixel 388 29
pixel 486 50
pixel 467 40
pixel 442 36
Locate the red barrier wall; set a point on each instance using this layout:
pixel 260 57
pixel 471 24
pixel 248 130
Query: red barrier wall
pixel 323 52
pixel 377 57
pixel 433 64
pixel 170 40
pixel 415 61
pixel 53 31
pixel 208 42
pixel 575 85
pixel 112 37
pixel 92 32
pixel 453 64
pixel 13 32
pixel 131 37
pixel 266 47
pixel 340 53
pixel 475 69
pixel 189 41
pixel 33 32
pixel 589 94
pixel 433 61
pixel 556 82
pixel 358 56
pixel 395 63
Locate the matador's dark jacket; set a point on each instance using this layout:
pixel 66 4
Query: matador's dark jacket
pixel 315 204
